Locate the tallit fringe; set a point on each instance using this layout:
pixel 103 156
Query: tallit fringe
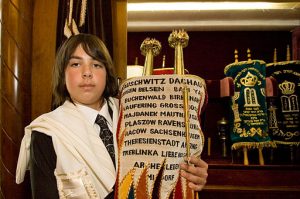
pixel 76 184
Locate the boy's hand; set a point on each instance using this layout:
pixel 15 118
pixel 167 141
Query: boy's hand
pixel 195 172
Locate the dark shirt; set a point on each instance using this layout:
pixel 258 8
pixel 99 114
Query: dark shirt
pixel 42 166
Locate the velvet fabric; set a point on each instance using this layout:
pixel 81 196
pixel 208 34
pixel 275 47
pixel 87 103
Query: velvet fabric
pixel 248 114
pixel 98 20
pixel 284 115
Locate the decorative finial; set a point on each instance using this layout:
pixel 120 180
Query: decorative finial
pixel 249 54
pixel 178 39
pixel 136 61
pixel 236 56
pixel 288 53
pixel 164 61
pixel 149 48
pixel 275 56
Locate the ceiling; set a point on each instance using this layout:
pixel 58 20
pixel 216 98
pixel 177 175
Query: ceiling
pixel 285 17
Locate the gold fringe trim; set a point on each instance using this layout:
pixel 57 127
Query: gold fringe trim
pixel 286 143
pixel 252 145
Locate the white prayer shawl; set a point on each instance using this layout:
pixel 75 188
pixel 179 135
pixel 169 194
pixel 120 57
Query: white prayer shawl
pixel 81 154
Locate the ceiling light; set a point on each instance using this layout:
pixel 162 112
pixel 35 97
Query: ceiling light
pixel 209 6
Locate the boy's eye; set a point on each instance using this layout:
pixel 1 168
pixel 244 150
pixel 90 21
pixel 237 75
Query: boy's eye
pixel 98 65
pixel 74 64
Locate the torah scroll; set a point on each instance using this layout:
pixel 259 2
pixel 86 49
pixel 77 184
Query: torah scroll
pixel 153 135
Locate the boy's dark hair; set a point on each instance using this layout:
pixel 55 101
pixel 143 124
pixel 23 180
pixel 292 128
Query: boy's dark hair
pixel 95 48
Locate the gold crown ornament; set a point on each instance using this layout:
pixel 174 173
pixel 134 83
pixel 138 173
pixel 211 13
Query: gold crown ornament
pixel 287 88
pixel 249 80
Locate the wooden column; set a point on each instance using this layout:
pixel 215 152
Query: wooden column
pixel 119 13
pixel 15 93
pixel 43 54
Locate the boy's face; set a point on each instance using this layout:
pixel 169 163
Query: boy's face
pixel 85 79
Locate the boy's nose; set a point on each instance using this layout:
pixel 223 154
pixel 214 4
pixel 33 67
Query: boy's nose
pixel 87 73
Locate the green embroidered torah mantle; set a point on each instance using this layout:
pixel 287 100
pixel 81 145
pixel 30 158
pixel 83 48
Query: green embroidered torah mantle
pixel 248 117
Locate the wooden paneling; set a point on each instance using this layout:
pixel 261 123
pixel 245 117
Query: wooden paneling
pixel 239 181
pixel 9 189
pixel 9 153
pixel 296 43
